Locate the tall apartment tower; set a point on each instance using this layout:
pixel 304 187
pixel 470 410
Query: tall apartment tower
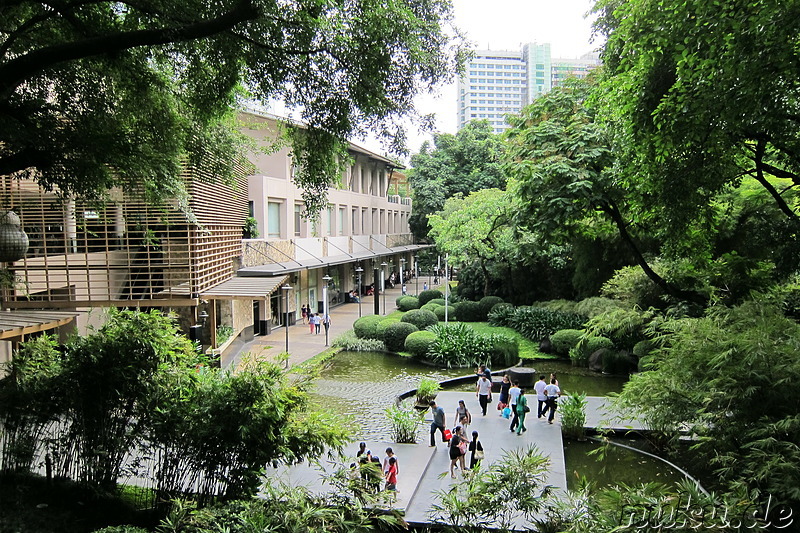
pixel 497 83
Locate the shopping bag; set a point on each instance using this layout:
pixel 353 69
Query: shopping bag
pixel 506 412
pixel 447 434
pixel 501 406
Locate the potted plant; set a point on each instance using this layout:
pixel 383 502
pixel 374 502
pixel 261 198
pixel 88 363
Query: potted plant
pixel 426 391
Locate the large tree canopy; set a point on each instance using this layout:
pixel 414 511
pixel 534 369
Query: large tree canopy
pixel 96 94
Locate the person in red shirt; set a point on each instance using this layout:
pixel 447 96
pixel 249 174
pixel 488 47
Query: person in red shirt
pixel 391 475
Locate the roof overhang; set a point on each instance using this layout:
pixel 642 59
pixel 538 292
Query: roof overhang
pixel 17 324
pixel 244 288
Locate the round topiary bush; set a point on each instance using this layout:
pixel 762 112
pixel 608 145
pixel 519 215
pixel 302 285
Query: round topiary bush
pixel 427 296
pixel 564 340
pixel 407 303
pixel 394 336
pixel 366 327
pixel 439 312
pixel 417 343
pixel 430 306
pixel 420 318
pixel 486 303
pixel 437 301
pixel 397 300
pixel 468 311
pixel 385 323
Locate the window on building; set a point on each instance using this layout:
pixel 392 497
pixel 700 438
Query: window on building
pixel 274 219
pixel 341 220
pixel 298 220
pixel 331 220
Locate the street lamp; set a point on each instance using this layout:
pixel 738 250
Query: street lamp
pixel 359 270
pixel 286 288
pixel 402 266
pixel 325 317
pixel 416 275
pixel 383 285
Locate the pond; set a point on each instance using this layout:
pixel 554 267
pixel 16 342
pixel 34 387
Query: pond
pixel 619 465
pixel 362 384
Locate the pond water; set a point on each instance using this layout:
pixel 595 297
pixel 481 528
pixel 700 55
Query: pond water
pixel 362 384
pixel 618 466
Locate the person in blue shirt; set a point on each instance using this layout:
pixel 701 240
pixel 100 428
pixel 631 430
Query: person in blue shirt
pixel 438 422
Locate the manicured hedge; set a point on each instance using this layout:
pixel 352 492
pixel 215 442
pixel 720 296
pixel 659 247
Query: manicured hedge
pixel 417 343
pixel 430 306
pixel 468 311
pixel 451 313
pixel 395 335
pixel 407 303
pixel 437 301
pixel 420 318
pixel 366 327
pixel 430 294
pixel 564 340
pixel 486 303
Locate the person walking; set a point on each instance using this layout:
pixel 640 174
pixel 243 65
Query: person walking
pixel 513 394
pixel 484 392
pixel 438 422
pixel 304 312
pixel 311 323
pixel 391 475
pixel 389 455
pixel 505 386
pixel 476 451
pixel 553 392
pixel 463 416
pixel 326 321
pixel 541 396
pixel 317 323
pixel 522 409
pixel 458 449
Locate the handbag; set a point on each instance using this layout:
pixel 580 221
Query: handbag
pixel 501 406
pixel 462 447
pixel 479 455
pixel 526 409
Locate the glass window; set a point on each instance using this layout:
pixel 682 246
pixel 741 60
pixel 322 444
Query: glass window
pixel 274 219
pixel 341 220
pixel 331 220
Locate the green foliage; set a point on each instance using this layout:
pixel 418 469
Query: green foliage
pixel 573 415
pixel 223 334
pixel 562 306
pixel 430 294
pixel 632 286
pixel 456 345
pixel 736 371
pixel 408 303
pixel 625 327
pixel 587 345
pixel 503 349
pixel 469 312
pixel 417 343
pixel 420 318
pixel 250 228
pixel 591 307
pixel 565 340
pixel 430 306
pixel 617 362
pixel 501 314
pixel 487 303
pixel 427 390
pixel 496 497
pixel 395 335
pixel 437 301
pixel 536 323
pixel 643 348
pixel 451 313
pixel 173 73
pixel 366 327
pixel 404 421
pixel 350 342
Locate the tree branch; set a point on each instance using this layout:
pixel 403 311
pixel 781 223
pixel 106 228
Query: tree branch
pixel 760 167
pixel 16 71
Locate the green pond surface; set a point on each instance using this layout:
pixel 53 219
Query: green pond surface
pixel 619 465
pixel 362 384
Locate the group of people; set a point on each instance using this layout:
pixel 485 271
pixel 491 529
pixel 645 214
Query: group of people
pixel 315 320
pixel 457 442
pixel 389 468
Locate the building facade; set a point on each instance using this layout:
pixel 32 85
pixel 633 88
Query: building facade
pixel 496 83
pixel 85 257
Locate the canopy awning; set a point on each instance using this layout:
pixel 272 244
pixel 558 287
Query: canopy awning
pixel 244 288
pixel 288 267
pixel 14 324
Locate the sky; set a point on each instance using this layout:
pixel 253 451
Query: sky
pixel 507 25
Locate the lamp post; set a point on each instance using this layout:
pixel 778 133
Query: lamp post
pixel 286 288
pixel 416 275
pixel 325 317
pixel 402 266
pixel 359 270
pixel 383 284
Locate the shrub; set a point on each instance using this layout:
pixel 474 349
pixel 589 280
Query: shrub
pixel 348 341
pixel 561 306
pixel 430 306
pixel 420 318
pixel 439 312
pixel 501 314
pixel 588 344
pixel 535 323
pixel 579 357
pixel 366 327
pixel 430 294
pixel 616 362
pixel 427 390
pixel 385 323
pixel 486 303
pixel 643 348
pixel 646 363
pixel 625 327
pixel 404 422
pixel 468 311
pixel 573 415
pixel 456 345
pixel 591 307
pixel 397 300
pixel 407 303
pixel 564 340
pixel 395 335
pixel 438 301
pixel 418 342
pixel 503 350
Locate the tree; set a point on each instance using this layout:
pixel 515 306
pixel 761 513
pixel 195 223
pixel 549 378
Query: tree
pixel 468 161
pixel 98 94
pixel 475 228
pixel 701 94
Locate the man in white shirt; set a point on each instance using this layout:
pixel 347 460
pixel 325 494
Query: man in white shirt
pixel 553 392
pixel 539 387
pixel 513 395
pixel 484 392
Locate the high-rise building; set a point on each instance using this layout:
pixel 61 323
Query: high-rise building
pixel 499 82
